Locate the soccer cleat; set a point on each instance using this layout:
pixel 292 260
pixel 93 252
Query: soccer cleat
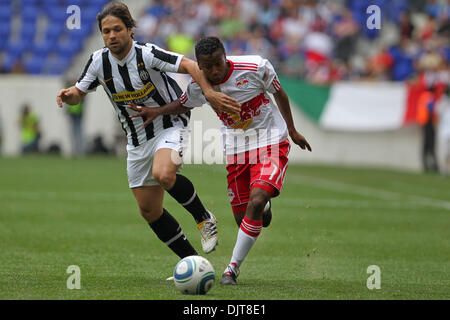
pixel 267 214
pixel 208 232
pixel 230 275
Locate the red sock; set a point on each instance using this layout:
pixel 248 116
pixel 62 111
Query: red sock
pixel 251 227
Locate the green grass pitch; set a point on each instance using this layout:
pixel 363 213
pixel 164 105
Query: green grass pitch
pixel 329 225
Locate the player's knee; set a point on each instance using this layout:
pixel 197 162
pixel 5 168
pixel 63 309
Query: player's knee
pixel 150 214
pixel 166 178
pixel 258 201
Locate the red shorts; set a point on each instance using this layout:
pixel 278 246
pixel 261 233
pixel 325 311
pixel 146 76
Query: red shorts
pixel 263 168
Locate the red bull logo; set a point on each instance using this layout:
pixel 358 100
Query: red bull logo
pixel 241 83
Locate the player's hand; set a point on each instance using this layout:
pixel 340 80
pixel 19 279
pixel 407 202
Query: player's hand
pixel 149 113
pixel 220 102
pixel 62 96
pixel 300 140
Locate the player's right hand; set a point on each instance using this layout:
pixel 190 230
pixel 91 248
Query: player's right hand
pixel 62 96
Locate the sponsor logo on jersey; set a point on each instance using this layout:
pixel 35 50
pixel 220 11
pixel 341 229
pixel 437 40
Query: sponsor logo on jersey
pixel 241 82
pixel 249 110
pixel 137 97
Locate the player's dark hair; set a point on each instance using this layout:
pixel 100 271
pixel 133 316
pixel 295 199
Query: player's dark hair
pixel 118 10
pixel 207 46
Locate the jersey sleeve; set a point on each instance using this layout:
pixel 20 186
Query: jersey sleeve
pixel 193 96
pixel 161 59
pixel 269 77
pixel 88 80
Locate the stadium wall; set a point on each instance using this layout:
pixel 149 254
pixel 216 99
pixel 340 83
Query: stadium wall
pixel 399 148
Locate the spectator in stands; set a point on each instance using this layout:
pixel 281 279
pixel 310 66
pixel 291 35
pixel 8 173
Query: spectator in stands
pixel 444 11
pixel 405 25
pixel 267 14
pixel 404 54
pixel 429 29
pixel 318 48
pixel 30 132
pixel 75 114
pixel 281 28
pixel 379 65
pixel 432 8
pixel 346 32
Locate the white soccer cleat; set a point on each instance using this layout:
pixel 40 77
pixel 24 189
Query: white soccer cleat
pixel 208 232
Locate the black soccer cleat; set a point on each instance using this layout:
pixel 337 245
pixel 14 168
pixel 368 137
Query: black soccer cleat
pixel 267 215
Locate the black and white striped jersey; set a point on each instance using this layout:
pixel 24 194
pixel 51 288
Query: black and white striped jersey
pixel 139 78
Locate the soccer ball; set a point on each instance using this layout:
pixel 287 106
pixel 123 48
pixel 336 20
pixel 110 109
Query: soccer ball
pixel 194 275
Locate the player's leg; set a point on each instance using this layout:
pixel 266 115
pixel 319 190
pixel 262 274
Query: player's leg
pixel 249 230
pixel 165 226
pixel 267 178
pixel 238 178
pixel 165 166
pixel 239 213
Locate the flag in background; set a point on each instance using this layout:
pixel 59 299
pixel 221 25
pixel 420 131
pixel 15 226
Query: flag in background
pixel 357 106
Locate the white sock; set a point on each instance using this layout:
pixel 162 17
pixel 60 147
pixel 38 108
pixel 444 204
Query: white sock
pixel 247 235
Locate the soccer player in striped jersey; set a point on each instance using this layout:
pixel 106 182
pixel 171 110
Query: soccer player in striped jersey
pixel 134 74
pixel 255 140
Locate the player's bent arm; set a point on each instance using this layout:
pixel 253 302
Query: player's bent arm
pixel 282 100
pixel 174 107
pixel 150 114
pixel 72 96
pixel 218 100
pixel 283 104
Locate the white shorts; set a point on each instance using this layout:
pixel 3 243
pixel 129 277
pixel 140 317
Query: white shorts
pixel 140 158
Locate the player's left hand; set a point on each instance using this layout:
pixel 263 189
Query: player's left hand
pixel 149 113
pixel 222 103
pixel 300 140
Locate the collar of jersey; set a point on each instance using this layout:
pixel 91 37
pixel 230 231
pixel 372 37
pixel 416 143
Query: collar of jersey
pixel 230 71
pixel 125 59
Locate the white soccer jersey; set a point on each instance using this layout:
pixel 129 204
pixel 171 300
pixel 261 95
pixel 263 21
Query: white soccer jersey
pixel 139 78
pixel 249 80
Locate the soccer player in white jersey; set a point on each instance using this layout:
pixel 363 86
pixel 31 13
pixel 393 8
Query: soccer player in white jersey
pixel 255 140
pixel 135 74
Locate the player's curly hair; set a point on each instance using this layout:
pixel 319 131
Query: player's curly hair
pixel 207 46
pixel 119 10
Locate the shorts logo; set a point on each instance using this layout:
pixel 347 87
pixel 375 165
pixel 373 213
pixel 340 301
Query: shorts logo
pixel 241 82
pixel 230 194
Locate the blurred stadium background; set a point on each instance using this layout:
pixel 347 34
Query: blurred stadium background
pixel 354 91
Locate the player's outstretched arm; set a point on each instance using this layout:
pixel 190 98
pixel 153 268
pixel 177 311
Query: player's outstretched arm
pixel 218 100
pixel 283 104
pixel 71 96
pixel 150 114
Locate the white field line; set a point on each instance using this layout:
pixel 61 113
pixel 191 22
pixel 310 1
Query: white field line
pixel 349 203
pixel 367 191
